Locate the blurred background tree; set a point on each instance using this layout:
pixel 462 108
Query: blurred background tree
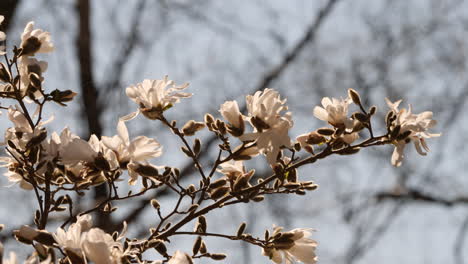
pixel 365 211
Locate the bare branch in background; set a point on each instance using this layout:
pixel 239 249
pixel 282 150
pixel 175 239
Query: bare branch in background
pixel 91 111
pixel 7 9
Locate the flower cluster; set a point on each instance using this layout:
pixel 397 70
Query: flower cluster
pixel 405 127
pixel 56 165
pixel 265 115
pixel 154 97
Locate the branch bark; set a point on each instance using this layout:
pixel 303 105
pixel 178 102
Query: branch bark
pixel 91 111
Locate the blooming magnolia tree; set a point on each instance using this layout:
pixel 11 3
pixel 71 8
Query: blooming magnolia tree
pixel 54 166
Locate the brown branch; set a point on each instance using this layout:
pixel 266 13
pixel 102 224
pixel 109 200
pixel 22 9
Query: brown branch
pixel 91 109
pixel 7 9
pixel 267 80
pixel 414 195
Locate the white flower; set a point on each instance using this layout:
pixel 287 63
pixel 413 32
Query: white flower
pixel 79 150
pixel 2 38
pixel 12 176
pixel 154 96
pixel 80 240
pixel 27 65
pixel 101 248
pixel 292 246
pixel 131 154
pixel 234 169
pixel 335 112
pixel 22 132
pixel 271 126
pixel 70 240
pixel 35 40
pixel 180 258
pixel 53 146
pixel 230 111
pixel 13 259
pixel 417 124
pixel 139 149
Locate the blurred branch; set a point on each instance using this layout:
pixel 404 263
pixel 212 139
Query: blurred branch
pixel 266 81
pixel 460 242
pixel 129 43
pixel 7 9
pixel 91 111
pixel 362 243
pixel 414 195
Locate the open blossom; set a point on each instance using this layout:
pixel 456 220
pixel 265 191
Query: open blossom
pixel 155 96
pixel 230 111
pixel 417 124
pixel 12 176
pixel 132 153
pixel 54 145
pixel 180 257
pixel 101 248
pixel 292 246
pixel 335 112
pixel 27 66
pixel 2 37
pixel 271 125
pixel 139 149
pixel 234 169
pixel 81 241
pixel 71 239
pixel 35 40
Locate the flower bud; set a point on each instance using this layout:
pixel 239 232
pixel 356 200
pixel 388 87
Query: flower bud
pixel 4 73
pixel 30 46
pixel 354 96
pixel 155 204
pixel 191 127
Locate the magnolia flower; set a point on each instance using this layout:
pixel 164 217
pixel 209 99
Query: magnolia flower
pixel 180 258
pixel 292 246
pixel 132 154
pixel 101 248
pixel 79 150
pixel 35 40
pixel 70 240
pixel 81 241
pixel 139 149
pixel 271 127
pixel 53 146
pixel 154 97
pixel 91 151
pixel 234 169
pixel 2 38
pixel 230 111
pixel 12 175
pixel 335 112
pixel 417 124
pixel 13 259
pixel 27 66
pixel 22 131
